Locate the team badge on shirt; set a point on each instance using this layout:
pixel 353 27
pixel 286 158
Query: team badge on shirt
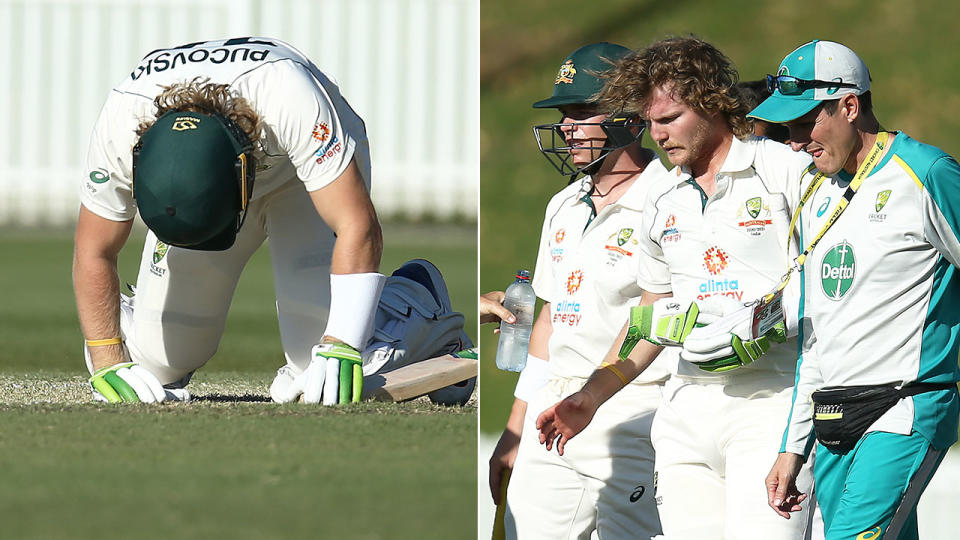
pixel 159 252
pixel 882 198
pixel 837 271
pixel 617 245
pixel 759 216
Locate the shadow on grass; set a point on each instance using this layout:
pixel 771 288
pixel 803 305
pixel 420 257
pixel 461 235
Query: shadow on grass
pixel 230 398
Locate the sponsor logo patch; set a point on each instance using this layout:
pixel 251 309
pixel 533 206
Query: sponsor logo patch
pixel 715 287
pixel 715 260
pixel 99 176
pixel 837 271
pixel 321 132
pixel 823 207
pixel 184 123
pixel 871 534
pixel 574 280
pixel 670 231
pixel 567 313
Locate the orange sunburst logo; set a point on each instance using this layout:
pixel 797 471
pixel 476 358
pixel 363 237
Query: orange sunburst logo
pixel 573 281
pixel 715 260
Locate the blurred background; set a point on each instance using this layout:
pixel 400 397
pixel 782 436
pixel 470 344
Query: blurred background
pixel 909 47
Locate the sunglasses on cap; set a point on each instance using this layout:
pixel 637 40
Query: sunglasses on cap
pixel 792 86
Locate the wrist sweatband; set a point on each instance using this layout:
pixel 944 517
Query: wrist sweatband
pixel 103 342
pixel 613 369
pixel 353 307
pixel 532 378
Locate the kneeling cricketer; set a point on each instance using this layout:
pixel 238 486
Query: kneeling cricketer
pixel 220 145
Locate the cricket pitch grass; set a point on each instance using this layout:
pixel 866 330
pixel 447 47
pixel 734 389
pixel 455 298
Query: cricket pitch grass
pixel 230 463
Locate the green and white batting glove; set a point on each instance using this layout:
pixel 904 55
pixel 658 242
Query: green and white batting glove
pixel 734 339
pixel 334 376
pixel 128 382
pixel 666 322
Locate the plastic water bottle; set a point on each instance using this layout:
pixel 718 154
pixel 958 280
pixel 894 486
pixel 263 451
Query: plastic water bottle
pixel 515 338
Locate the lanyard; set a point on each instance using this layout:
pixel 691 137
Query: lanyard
pixel 865 169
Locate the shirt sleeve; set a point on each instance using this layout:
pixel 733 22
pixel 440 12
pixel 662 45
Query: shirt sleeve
pixel 653 274
pixel 543 283
pixel 313 123
pixel 941 208
pixel 106 189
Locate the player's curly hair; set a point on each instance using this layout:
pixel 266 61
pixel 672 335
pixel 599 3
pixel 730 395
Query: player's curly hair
pixel 201 96
pixel 698 73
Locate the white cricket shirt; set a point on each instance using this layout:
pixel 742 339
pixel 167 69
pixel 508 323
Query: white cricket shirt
pixel 587 270
pixel 732 244
pixel 310 131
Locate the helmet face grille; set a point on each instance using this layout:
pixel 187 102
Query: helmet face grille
pixel 553 145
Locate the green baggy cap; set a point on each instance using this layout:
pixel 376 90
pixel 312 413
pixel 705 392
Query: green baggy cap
pixel 576 81
pixel 186 181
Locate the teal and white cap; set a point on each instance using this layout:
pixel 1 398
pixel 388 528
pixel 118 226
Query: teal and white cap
pixel 813 66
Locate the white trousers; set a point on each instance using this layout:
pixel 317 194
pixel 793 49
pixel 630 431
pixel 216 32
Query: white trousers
pixel 183 295
pixel 604 481
pixel 715 445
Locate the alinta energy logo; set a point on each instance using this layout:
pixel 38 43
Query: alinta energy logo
pixel 670 231
pixel 321 132
pixel 715 260
pixel 559 235
pixel 837 271
pixel 574 280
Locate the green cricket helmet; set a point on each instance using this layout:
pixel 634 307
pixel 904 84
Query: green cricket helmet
pixel 193 177
pixel 578 82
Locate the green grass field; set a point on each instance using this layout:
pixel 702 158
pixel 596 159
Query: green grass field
pixel 230 464
pixel 909 48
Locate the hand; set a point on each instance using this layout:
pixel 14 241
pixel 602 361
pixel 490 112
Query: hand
pixel 734 335
pixel 665 322
pixel 334 375
pixel 566 419
pixel 129 382
pixel 782 493
pixel 491 309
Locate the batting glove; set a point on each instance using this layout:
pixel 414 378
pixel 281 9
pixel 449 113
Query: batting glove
pixel 334 375
pixel 734 339
pixel 665 322
pixel 129 382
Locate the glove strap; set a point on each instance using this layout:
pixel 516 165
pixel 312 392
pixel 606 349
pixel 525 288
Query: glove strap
pixel 640 317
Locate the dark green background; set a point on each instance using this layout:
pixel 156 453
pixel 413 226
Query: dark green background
pixel 909 47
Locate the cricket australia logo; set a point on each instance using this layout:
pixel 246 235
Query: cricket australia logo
pixel 158 254
pixel 183 123
pixel 623 236
pixel 837 270
pixel 759 216
pixel 566 73
pixel 882 198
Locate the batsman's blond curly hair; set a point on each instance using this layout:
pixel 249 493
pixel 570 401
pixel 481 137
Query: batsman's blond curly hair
pixel 199 95
pixel 695 71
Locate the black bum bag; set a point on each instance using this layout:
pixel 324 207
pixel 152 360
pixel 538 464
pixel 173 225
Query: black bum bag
pixel 842 414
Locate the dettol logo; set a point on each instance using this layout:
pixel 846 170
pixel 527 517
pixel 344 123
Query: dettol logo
pixel 837 270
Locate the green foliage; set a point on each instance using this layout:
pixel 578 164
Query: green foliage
pixel 909 48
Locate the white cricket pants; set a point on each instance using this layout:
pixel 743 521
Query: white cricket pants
pixel 604 480
pixel 182 299
pixel 715 445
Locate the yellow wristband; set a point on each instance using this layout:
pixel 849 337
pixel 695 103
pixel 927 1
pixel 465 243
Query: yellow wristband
pixel 103 342
pixel 615 371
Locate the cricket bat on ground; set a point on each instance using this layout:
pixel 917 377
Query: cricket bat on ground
pixel 420 378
